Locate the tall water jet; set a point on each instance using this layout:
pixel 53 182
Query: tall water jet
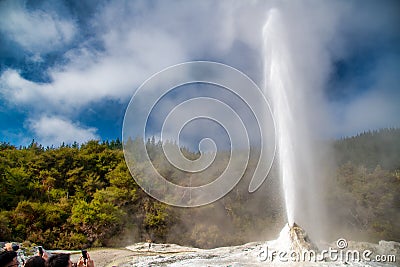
pixel 286 87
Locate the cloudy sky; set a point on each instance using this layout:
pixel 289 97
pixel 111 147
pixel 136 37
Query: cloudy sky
pixel 69 68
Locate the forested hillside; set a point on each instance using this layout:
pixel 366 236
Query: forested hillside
pixel 83 195
pixel 371 149
pixel 366 185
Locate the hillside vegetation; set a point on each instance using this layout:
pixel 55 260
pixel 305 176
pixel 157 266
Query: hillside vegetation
pixel 79 196
pixel 366 185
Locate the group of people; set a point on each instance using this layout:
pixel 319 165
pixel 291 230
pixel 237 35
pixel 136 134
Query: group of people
pixel 9 258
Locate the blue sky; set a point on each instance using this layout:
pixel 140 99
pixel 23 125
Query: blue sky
pixel 69 68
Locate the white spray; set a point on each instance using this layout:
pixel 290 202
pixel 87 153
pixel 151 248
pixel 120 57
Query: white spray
pixel 285 87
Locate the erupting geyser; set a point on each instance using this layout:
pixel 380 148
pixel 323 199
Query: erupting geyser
pixel 286 88
pixel 279 86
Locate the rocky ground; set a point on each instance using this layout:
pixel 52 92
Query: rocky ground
pixel 291 248
pixel 269 253
pixel 245 255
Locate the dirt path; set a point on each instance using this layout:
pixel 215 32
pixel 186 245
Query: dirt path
pixel 108 257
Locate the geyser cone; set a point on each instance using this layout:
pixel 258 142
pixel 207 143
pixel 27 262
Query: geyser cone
pixel 293 238
pixel 299 240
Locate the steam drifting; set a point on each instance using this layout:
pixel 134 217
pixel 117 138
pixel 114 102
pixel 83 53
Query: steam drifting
pixel 286 88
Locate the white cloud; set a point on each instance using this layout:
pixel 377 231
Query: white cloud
pixel 91 76
pixel 36 31
pixel 372 111
pixel 135 47
pixel 51 130
pixel 139 39
pixel 377 107
pixel 131 56
pixel 19 89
